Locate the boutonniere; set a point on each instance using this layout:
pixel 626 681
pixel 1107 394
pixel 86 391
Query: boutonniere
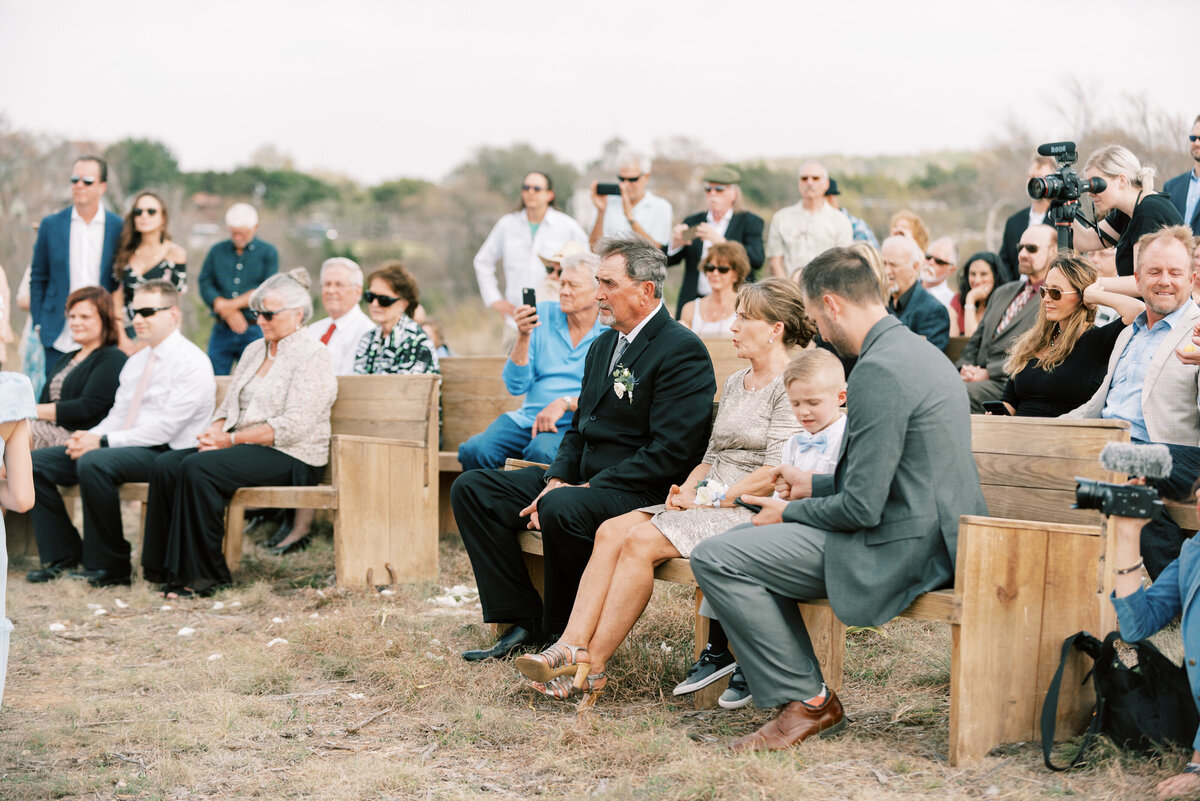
pixel 623 382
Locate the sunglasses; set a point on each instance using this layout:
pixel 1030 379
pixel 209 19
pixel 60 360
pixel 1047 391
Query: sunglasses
pixel 634 179
pixel 528 188
pixel 937 261
pixel 269 315
pixel 810 177
pixel 553 270
pixel 719 268
pixel 382 300
pixel 148 311
pixel 86 181
pixel 1056 294
pixel 148 212
pixel 1030 248
pixel 1194 138
pixel 715 188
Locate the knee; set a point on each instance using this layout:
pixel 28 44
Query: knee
pixel 464 487
pixel 542 449
pixel 703 556
pixel 643 543
pixel 93 463
pixel 610 534
pixel 473 453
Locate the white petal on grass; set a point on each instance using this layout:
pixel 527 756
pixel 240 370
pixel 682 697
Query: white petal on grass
pixel 276 620
pixel 218 605
pixel 93 606
pixel 99 612
pixel 235 603
pixel 277 641
pixel 387 592
pixel 121 604
pixel 358 696
pixel 313 616
pixel 186 631
pixel 214 657
pixel 57 627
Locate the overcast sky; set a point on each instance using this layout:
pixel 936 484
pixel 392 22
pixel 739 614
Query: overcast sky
pixel 381 89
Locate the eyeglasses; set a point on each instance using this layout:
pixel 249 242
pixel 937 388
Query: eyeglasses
pixel 270 315
pixel 1056 294
pixel 810 177
pixel 148 212
pixel 715 188
pixel 720 268
pixel 148 311
pixel 1194 138
pixel 86 181
pixel 551 269
pixel 528 188
pixel 939 262
pixel 383 300
pixel 634 179
pixel 1030 248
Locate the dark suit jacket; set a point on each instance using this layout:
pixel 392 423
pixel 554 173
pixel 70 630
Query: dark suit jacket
pixel 984 348
pixel 50 273
pixel 88 391
pixel 1013 228
pixel 924 315
pixel 1177 188
pixel 649 442
pixel 745 227
pixel 905 475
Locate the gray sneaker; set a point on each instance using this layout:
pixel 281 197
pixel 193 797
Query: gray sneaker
pixel 737 694
pixel 707 669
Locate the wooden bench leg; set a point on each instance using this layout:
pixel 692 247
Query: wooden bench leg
pixel 235 521
pixel 828 635
pixel 705 697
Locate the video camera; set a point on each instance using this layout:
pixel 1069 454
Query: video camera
pixel 1063 189
pixel 1126 500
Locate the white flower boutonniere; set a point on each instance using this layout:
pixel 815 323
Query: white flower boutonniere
pixel 623 382
pixel 710 493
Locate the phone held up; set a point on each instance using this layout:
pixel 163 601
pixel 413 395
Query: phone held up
pixel 753 507
pixel 608 189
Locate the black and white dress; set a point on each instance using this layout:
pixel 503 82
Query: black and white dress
pixel 406 350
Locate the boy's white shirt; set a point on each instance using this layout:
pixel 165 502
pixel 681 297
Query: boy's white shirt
pixel 815 460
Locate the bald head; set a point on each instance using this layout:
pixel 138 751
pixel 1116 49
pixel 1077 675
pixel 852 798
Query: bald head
pixel 1035 250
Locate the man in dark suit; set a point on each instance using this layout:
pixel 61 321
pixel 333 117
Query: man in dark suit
pixel 1016 224
pixel 722 222
pixel 871 537
pixel 74 249
pixel 911 302
pixel 1184 189
pixel 641 425
pixel 1011 311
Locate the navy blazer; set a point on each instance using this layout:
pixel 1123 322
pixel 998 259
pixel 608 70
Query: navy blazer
pixel 745 227
pixel 1177 188
pixel 925 315
pixel 50 273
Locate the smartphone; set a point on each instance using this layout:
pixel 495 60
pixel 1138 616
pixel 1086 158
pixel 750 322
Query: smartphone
pixel 996 407
pixel 608 189
pixel 690 233
pixel 752 507
pixel 529 296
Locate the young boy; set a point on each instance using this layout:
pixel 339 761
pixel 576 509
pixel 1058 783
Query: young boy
pixel 816 386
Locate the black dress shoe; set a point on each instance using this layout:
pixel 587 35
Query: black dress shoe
pixel 81 573
pixel 516 638
pixel 109 578
pixel 49 572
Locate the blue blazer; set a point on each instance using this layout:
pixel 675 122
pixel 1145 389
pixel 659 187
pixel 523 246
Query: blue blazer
pixel 1177 188
pixel 925 315
pixel 50 273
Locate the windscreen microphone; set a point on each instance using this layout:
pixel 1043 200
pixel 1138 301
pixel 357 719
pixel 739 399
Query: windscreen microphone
pixel 1057 149
pixel 1145 461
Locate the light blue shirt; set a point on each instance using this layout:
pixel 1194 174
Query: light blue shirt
pixel 1124 399
pixel 555 366
pixel 1193 196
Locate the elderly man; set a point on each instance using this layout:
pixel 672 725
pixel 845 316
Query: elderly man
pixel 164 400
pixel 1040 167
pixel 799 233
pixel 636 210
pixel 1184 189
pixel 1153 387
pixel 232 270
pixel 879 531
pixel 640 424
pixel 74 249
pixel 915 307
pixel 941 262
pixel 1009 314
pixel 341 293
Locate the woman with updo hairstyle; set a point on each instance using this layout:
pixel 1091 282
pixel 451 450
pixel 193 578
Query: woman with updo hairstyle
pixel 753 422
pixel 145 252
pixel 397 344
pixel 272 429
pixel 726 267
pixel 907 223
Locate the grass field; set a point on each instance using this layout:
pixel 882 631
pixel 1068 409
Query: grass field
pixel 288 688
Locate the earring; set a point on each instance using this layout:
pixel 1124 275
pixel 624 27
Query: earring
pixel 770 340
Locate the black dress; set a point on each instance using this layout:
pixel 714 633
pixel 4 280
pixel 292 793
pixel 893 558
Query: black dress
pixel 165 270
pixel 1151 213
pixel 1034 392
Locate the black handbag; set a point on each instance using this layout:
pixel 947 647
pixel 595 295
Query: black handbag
pixel 1139 707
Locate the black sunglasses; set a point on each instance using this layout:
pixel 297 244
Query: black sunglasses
pixel 554 269
pixel 1056 294
pixel 528 188
pixel 140 212
pixel 269 315
pixel 1194 138
pixel 148 311
pixel 86 181
pixel 383 300
pixel 937 261
pixel 719 268
pixel 1030 248
pixel 637 177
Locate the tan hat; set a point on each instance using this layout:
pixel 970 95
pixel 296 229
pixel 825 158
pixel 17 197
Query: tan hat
pixel 569 248
pixel 722 175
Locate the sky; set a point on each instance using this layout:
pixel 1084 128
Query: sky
pixel 377 89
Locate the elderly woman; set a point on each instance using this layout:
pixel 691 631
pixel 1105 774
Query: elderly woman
pixel 397 344
pixel 272 429
pixel 726 267
pixel 754 421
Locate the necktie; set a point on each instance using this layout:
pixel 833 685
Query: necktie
pixel 139 393
pixel 813 443
pixel 328 333
pixel 1017 304
pixel 622 344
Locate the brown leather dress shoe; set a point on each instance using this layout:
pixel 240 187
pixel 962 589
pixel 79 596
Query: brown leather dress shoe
pixel 795 723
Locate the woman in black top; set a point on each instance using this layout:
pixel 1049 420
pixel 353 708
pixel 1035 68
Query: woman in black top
pixel 145 253
pixel 1057 365
pixel 80 388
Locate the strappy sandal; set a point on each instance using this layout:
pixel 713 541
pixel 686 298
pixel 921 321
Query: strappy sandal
pixel 558 660
pixel 563 690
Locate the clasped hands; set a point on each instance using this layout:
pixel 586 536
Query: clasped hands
pixel 215 437
pixel 531 510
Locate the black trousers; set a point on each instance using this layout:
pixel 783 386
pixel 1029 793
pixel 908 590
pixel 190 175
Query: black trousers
pixel 1161 537
pixel 486 503
pixel 185 516
pixel 98 473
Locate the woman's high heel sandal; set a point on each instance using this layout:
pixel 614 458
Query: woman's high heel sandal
pixel 558 660
pixel 563 690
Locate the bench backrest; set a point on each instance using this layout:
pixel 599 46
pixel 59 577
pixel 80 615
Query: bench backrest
pixel 725 361
pixel 473 395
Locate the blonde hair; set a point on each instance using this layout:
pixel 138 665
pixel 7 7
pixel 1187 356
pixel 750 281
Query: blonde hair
pixel 816 364
pixel 1056 340
pixel 1169 233
pixel 920 231
pixel 1114 160
pixel 872 257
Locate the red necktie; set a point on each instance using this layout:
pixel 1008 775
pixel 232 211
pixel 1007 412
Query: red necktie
pixel 328 333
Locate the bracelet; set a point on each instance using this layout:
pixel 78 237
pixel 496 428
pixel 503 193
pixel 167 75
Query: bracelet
pixel 1192 767
pixel 1121 571
pixel 970 307
pixel 232 438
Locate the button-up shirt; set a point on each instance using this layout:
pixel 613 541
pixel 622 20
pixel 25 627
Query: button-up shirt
pixel 228 274
pixel 1124 399
pixel 516 247
pixel 343 343
pixel 555 365
pixel 653 213
pixel 87 249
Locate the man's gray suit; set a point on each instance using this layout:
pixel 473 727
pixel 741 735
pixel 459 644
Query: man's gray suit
pixel 878 532
pixel 989 351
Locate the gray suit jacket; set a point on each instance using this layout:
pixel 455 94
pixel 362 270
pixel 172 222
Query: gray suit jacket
pixel 905 476
pixel 1169 392
pixel 984 348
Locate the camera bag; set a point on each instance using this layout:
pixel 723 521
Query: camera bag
pixel 1138 707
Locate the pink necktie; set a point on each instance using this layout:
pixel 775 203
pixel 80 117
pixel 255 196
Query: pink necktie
pixel 139 393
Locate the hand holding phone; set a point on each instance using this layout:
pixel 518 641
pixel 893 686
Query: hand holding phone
pixel 996 408
pixel 752 507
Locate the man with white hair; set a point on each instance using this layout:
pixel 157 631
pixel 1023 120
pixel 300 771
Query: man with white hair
pixel 800 233
pixel 639 211
pixel 915 307
pixel 341 293
pixel 941 262
pixel 232 270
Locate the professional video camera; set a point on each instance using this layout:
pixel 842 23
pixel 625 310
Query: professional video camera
pixel 1063 189
pixel 1126 500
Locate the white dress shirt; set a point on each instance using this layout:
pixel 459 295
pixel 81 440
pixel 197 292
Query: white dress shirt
pixel 720 226
pixel 178 403
pixel 943 293
pixel 86 249
pixel 511 243
pixel 653 213
pixel 350 329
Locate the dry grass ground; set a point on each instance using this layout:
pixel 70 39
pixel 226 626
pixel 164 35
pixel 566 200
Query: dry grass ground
pixel 367 699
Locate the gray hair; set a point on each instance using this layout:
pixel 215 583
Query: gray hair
pixel 587 261
pixel 950 242
pixel 351 266
pixel 644 260
pixel 910 247
pixel 632 157
pixel 241 215
pixel 292 290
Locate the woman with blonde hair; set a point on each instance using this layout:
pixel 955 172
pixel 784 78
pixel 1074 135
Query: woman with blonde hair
pixel 726 267
pixel 907 223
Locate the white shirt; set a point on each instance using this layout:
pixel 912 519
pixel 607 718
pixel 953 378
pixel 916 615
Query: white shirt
pixel 722 225
pixel 942 292
pixel 511 244
pixel 350 329
pixel 637 329
pixel 87 246
pixel 1036 217
pixel 653 213
pixel 178 403
pixel 822 459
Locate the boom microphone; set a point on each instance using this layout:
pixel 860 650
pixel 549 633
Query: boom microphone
pixel 1145 461
pixel 1057 149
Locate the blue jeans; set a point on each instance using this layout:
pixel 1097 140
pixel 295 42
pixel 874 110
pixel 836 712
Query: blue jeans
pixel 224 346
pixel 505 439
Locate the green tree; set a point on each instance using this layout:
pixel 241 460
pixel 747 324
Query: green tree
pixel 392 194
pixel 139 164
pixel 502 169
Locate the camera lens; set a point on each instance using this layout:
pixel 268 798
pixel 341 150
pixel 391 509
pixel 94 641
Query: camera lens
pixel 1051 186
pixel 1090 494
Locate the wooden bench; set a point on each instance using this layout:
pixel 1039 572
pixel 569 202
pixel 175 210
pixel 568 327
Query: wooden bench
pixel 1024 581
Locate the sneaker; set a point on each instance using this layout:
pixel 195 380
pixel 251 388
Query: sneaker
pixel 737 694
pixel 707 669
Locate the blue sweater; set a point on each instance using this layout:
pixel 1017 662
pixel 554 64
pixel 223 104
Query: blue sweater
pixel 555 366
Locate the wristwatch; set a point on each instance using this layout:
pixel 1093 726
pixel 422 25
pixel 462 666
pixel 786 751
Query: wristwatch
pixel 571 405
pixel 104 440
